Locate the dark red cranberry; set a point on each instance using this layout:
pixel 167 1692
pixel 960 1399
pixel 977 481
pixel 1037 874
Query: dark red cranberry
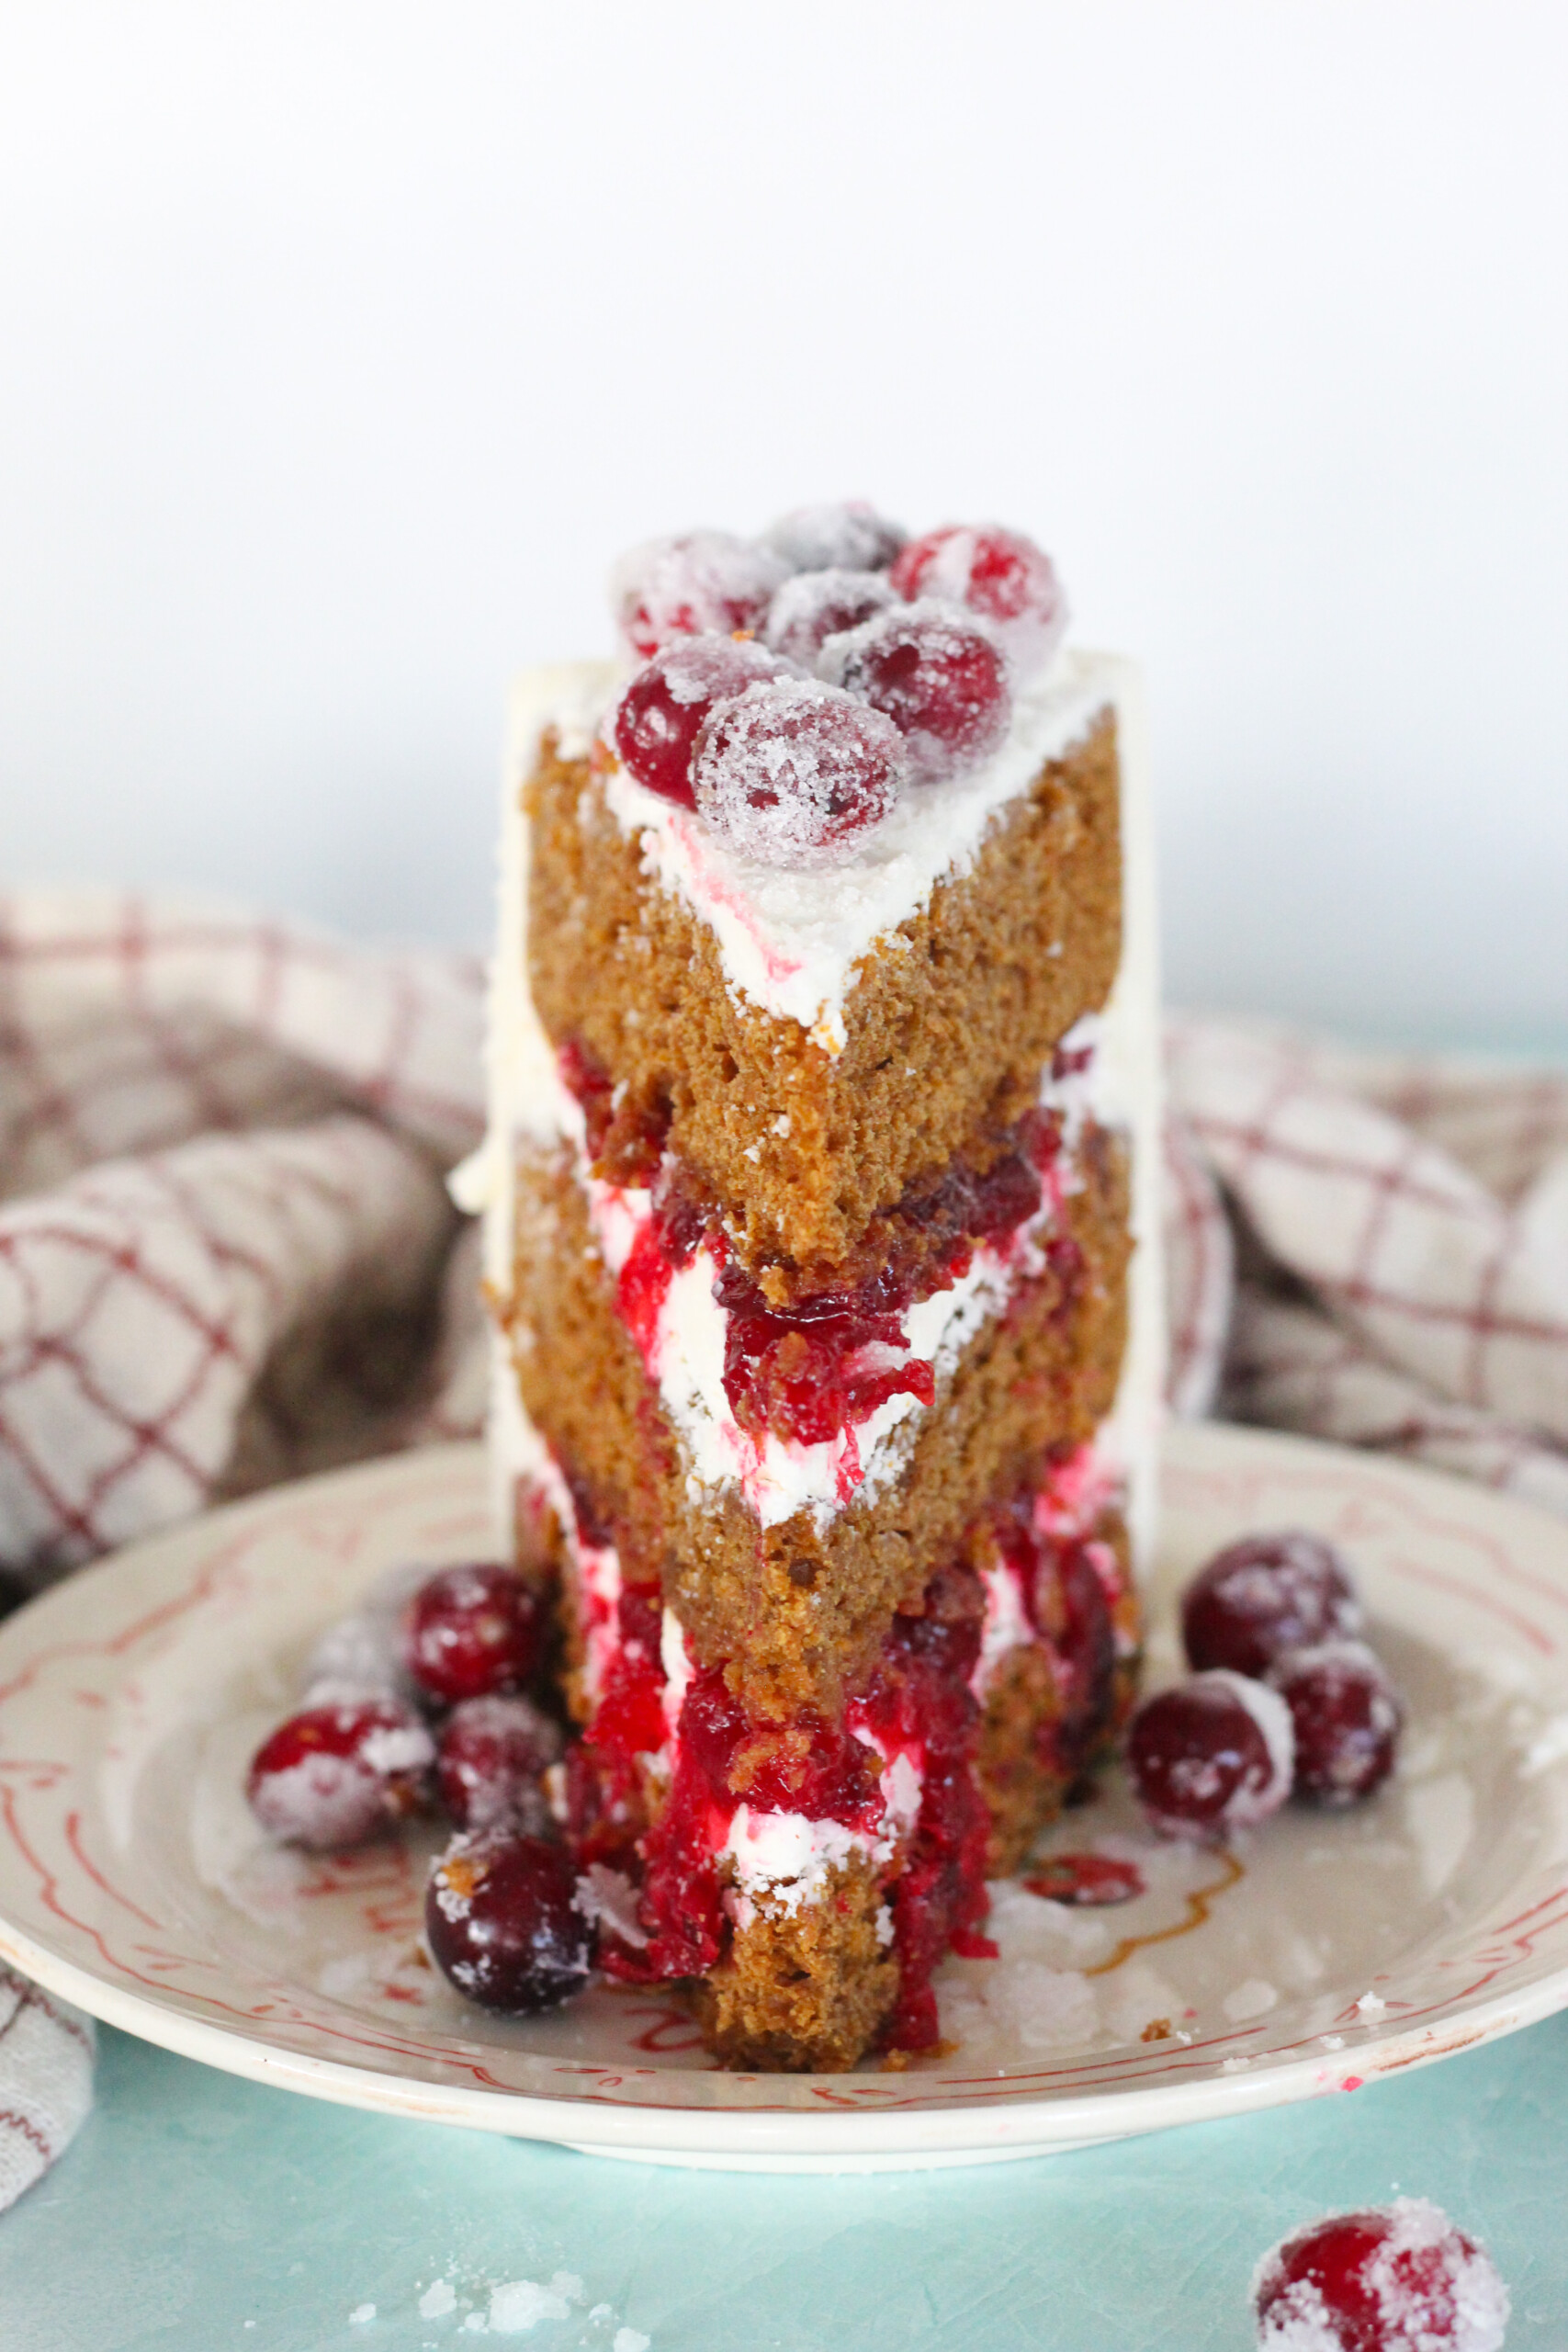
pixel 939 677
pixel 1264 1595
pixel 849 536
pixel 333 1775
pixel 489 1760
pixel 1211 1755
pixel 1001 575
pixel 794 774
pixel 690 584
pixel 502 1922
pixel 1345 1716
pixel 469 1630
pixel 655 723
pixel 1397 2277
pixel 814 605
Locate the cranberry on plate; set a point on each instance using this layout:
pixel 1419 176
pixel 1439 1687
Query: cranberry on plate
pixel 656 721
pixel 850 536
pixel 938 675
pixel 489 1761
pixel 1397 2277
pixel 333 1775
pixel 504 1923
pixel 468 1630
pixel 998 574
pixel 793 774
pixel 1265 1595
pixel 696 581
pixel 1211 1755
pixel 1345 1716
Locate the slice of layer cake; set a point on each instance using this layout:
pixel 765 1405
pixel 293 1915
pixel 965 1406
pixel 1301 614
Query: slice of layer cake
pixel 820 1240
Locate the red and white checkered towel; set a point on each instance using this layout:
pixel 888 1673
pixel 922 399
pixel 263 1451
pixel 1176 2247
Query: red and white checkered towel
pixel 227 1255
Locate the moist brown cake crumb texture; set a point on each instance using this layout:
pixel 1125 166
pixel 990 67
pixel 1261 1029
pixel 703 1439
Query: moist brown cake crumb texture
pixel 806 1994
pixel 972 993
pixel 798 1614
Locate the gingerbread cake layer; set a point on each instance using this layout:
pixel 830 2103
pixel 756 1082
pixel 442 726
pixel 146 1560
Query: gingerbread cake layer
pixel 803 1135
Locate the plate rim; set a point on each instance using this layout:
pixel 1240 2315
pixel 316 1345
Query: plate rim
pixel 1018 2125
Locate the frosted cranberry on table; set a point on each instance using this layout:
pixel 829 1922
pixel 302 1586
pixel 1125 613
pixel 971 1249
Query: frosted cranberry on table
pixel 998 574
pixel 937 674
pixel 812 607
pixel 1395 2277
pixel 468 1630
pixel 1265 1595
pixel 335 1775
pixel 794 775
pixel 489 1761
pixel 655 723
pixel 850 536
pixel 697 581
pixel 505 1923
pixel 1211 1755
pixel 1345 1716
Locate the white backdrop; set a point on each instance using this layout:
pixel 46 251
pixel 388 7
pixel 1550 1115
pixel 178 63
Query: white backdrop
pixel 344 344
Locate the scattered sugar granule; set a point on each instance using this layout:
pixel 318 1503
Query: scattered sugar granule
pixel 602 2311
pixel 566 2283
pixel 1332 2041
pixel 438 2300
pixel 522 2304
pixel 630 2339
pixel 1370 2003
pixel 360 2314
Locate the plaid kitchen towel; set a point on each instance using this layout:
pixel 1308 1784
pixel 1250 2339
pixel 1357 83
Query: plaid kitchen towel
pixel 227 1255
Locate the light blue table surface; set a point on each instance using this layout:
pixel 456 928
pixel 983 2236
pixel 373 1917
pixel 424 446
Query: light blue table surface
pixel 201 2213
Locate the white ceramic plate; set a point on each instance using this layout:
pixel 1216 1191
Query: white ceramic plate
pixel 1324 1953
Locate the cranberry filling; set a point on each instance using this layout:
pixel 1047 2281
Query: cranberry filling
pixel 624 1135
pixel 1069 1607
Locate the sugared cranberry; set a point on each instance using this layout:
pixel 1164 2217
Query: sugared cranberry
pixel 999 574
pixel 333 1775
pixel 849 536
pixel 814 605
pixel 1397 2277
pixel 793 774
pixel 488 1762
pixel 469 1630
pixel 1265 1595
pixel 1346 1719
pixel 700 579
pixel 1211 1755
pixel 502 1921
pixel 656 720
pixel 940 677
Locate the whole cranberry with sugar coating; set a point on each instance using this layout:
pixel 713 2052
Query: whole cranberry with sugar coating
pixel 938 676
pixel 696 581
pixel 850 536
pixel 1210 1754
pixel 794 775
pixel 333 1775
pixel 656 720
pixel 468 1630
pixel 489 1760
pixel 812 607
pixel 504 1922
pixel 999 574
pixel 1346 1719
pixel 1395 2277
pixel 1265 1595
